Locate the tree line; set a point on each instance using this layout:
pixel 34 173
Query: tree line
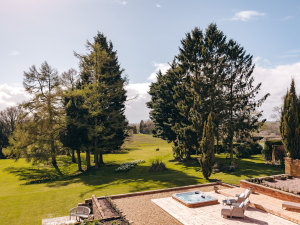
pixel 210 77
pixel 74 112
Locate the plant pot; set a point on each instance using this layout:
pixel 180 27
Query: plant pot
pixel 252 190
pixel 216 188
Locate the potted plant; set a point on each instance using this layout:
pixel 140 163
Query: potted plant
pixel 216 188
pixel 252 190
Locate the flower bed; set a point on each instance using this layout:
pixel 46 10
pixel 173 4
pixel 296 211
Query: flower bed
pixel 286 189
pixel 128 165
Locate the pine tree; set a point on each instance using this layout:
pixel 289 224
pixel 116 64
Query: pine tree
pixel 75 135
pixel 240 116
pixel 38 139
pixel 289 123
pixel 164 113
pixel 105 96
pixel 207 147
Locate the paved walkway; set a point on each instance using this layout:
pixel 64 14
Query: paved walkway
pixel 266 203
pixel 211 215
pixel 59 220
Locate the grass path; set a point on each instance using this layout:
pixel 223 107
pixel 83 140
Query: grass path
pixel 29 204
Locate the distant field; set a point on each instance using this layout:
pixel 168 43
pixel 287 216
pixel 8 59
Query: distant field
pixel 28 204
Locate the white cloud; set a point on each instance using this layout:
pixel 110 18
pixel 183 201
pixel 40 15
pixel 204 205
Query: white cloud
pixel 247 15
pixel 14 52
pixel 157 5
pixel 286 18
pixel 276 81
pixel 136 109
pixel 10 96
pixel 294 51
pixel 124 3
pixel 159 66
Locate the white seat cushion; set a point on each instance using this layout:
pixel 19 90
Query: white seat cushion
pixel 242 195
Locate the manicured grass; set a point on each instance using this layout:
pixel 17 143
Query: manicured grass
pixel 28 204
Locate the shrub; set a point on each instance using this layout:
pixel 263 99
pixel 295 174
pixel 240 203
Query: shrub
pixel 157 166
pixel 256 148
pixel 243 151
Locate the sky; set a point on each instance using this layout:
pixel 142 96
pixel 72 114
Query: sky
pixel 146 35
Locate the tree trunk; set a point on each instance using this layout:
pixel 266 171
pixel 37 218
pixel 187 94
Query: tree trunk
pixel 101 157
pixel 53 155
pixel 231 151
pixel 79 160
pixel 217 147
pixel 88 160
pixel 73 156
pixel 213 157
pixel 96 150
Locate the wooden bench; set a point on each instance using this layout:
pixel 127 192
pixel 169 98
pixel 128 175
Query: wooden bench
pixel 81 212
pixel 292 205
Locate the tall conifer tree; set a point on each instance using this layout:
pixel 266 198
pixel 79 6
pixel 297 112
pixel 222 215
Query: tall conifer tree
pixel 207 147
pixel 289 123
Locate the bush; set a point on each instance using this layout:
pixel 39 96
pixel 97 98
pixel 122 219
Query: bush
pixel 157 166
pixel 243 151
pixel 256 148
pixel 267 151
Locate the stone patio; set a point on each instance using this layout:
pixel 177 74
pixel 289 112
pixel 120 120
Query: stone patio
pixel 59 220
pixel 210 215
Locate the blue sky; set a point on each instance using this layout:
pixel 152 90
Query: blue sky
pixel 146 35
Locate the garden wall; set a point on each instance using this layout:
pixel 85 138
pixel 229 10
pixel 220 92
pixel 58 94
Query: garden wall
pixel 270 191
pixel 292 167
pixel 97 210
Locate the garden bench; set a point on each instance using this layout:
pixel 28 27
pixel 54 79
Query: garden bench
pixel 81 212
pixel 292 205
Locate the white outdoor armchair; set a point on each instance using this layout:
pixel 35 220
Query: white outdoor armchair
pixel 240 198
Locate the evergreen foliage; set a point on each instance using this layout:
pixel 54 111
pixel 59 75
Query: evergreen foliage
pixel 164 112
pixel 207 147
pixel 240 116
pixel 38 138
pixel 134 129
pixel 210 74
pixel 289 123
pixel 102 89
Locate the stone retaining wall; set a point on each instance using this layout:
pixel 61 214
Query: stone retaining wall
pixel 270 191
pixel 97 210
pixel 292 167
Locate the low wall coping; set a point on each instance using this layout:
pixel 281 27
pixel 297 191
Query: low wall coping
pixel 163 190
pixel 272 189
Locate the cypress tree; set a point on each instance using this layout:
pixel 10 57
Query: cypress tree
pixel 207 147
pixel 134 129
pixel 289 123
pixel 142 125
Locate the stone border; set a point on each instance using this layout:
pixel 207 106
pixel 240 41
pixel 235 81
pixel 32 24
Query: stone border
pixel 166 190
pixel 88 202
pixel 282 195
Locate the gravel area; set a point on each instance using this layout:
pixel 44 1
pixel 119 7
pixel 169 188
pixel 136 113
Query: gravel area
pixel 293 185
pixel 141 210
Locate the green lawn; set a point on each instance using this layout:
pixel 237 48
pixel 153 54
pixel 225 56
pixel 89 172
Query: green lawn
pixel 28 204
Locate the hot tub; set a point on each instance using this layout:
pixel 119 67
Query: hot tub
pixel 194 198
